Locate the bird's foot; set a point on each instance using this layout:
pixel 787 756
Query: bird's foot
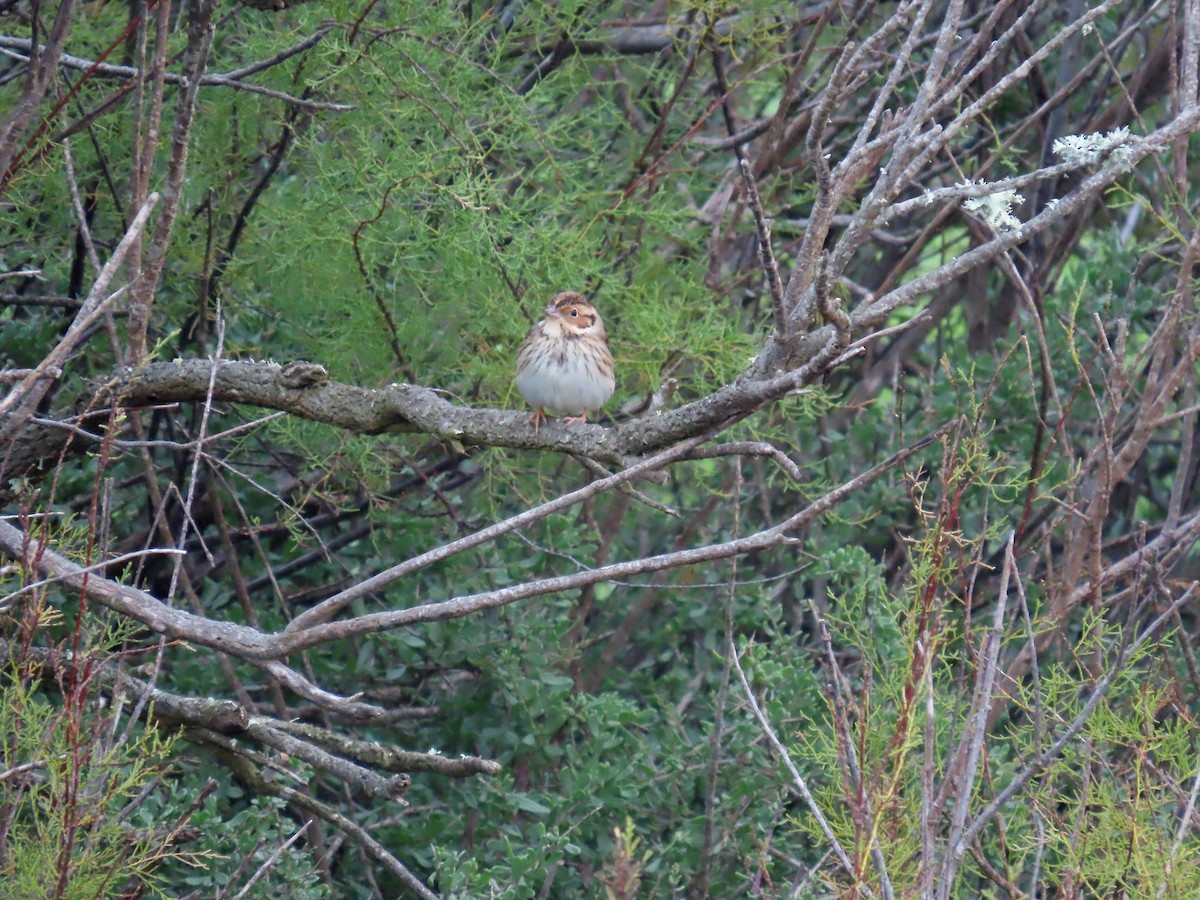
pixel 538 417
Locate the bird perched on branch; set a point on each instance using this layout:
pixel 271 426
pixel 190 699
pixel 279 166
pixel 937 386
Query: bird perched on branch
pixel 564 365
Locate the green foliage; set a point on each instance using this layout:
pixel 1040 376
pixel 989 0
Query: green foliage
pixel 238 836
pixel 68 787
pixel 450 254
pixel 1097 808
pixel 415 237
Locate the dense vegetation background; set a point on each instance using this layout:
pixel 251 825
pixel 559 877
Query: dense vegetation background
pixel 875 578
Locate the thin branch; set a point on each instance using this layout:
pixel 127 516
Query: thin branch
pixel 18 404
pixel 1112 672
pixel 798 782
pixel 265 650
pixel 232 79
pixel 766 250
pixel 293 640
pixel 327 609
pixel 271 861
pixel 974 738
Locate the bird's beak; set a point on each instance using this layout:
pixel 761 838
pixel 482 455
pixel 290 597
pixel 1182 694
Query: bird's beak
pixel 551 310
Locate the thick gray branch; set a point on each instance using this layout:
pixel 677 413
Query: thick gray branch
pixel 413 408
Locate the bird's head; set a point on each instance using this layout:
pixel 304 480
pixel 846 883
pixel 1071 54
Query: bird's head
pixel 573 313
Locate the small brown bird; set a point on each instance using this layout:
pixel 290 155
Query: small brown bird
pixel 564 364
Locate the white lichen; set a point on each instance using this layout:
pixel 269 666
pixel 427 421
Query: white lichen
pixel 1085 149
pixel 996 209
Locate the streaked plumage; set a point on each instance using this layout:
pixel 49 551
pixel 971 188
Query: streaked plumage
pixel 564 365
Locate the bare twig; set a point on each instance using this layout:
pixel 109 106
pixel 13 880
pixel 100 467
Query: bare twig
pixel 798 782
pixel 765 249
pixel 270 862
pixel 18 404
pixel 973 738
pixel 1113 671
pixel 232 79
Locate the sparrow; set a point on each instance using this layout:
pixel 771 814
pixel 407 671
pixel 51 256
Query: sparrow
pixel 564 365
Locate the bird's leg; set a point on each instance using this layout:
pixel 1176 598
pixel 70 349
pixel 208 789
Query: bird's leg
pixel 538 417
pixel 575 420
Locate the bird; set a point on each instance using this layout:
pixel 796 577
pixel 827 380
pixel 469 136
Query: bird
pixel 564 364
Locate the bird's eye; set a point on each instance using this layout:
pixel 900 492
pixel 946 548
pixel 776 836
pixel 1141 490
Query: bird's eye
pixel 574 312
